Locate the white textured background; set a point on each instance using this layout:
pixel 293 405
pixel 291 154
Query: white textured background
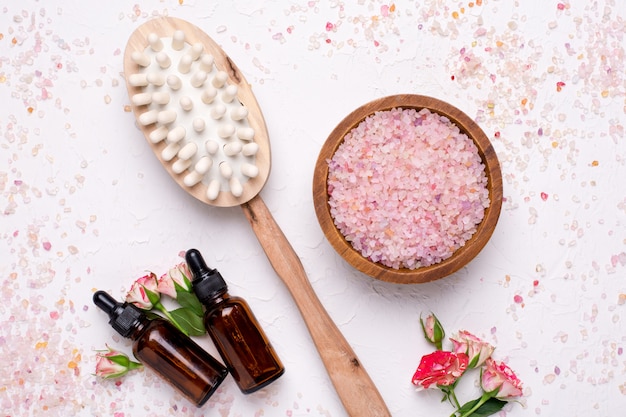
pixel 85 204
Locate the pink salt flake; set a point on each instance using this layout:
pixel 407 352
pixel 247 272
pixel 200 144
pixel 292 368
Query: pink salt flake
pixel 481 31
pixel 619 258
pixel 407 188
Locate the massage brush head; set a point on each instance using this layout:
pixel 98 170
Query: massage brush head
pixel 197 112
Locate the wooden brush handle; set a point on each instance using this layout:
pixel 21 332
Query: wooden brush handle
pixel 352 383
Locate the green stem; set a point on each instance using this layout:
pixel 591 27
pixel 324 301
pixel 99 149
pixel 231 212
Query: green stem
pixel 453 396
pixel 450 395
pixel 480 402
pixel 167 314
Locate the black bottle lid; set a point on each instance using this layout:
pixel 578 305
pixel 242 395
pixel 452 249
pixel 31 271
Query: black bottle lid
pixel 207 283
pixel 123 317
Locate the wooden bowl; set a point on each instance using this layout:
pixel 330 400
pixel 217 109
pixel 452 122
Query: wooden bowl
pixel 461 256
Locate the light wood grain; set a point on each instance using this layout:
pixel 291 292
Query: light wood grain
pixel 464 254
pixel 350 379
pixel 354 386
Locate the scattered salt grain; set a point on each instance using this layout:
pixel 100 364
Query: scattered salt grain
pixel 407 188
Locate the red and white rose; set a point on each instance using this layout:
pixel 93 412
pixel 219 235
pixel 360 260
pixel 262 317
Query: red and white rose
pixel 144 292
pixel 475 348
pixel 175 280
pixel 443 369
pixel 439 369
pixel 498 380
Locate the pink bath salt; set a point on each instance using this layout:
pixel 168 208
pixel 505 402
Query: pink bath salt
pixel 407 188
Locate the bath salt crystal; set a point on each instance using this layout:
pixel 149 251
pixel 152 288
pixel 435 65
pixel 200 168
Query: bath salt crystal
pixel 407 188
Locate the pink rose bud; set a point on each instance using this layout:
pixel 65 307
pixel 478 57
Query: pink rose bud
pixel 166 286
pixel 498 380
pixel 433 330
pixel 475 348
pixel 177 278
pixel 439 369
pixel 113 364
pixel 144 293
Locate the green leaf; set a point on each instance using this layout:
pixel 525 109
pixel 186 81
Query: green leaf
pixel 152 315
pixel 473 363
pixel 154 297
pixel 189 321
pixel 189 301
pixel 187 287
pixel 134 365
pixel 120 359
pixel 468 406
pixel 490 407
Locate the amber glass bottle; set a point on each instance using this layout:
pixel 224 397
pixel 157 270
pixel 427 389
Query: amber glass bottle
pixel 165 349
pixel 239 338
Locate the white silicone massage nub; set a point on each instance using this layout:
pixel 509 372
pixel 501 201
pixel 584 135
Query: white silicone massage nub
pixel 196 113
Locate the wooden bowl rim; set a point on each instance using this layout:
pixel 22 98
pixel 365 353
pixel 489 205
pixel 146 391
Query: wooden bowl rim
pixel 464 254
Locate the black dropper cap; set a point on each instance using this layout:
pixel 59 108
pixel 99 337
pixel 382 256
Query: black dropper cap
pixel 207 283
pixel 123 317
